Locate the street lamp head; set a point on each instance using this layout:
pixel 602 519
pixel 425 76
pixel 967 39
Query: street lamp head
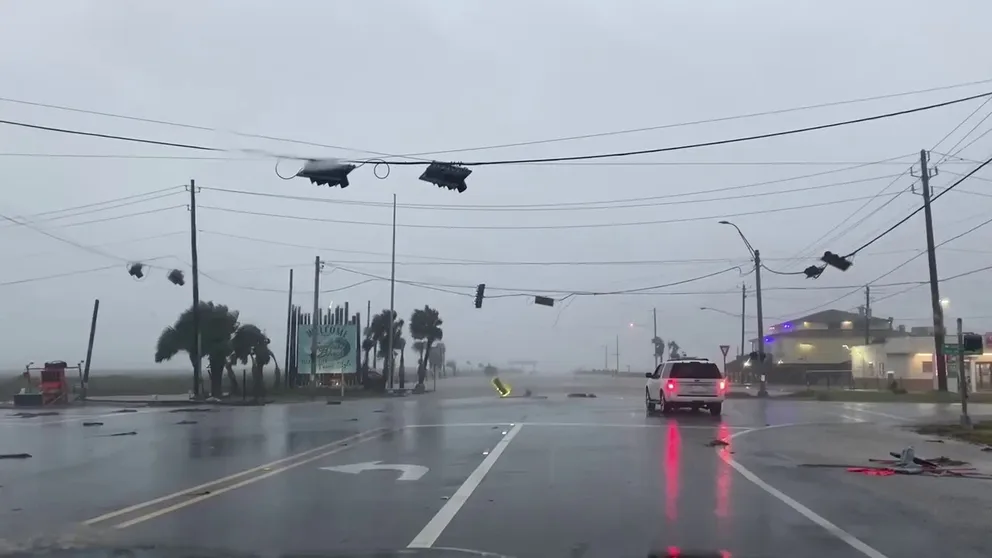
pixel 725 223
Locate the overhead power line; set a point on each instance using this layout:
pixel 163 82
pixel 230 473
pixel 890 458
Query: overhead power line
pixel 551 207
pixel 532 227
pixel 919 209
pixel 713 143
pixel 595 156
pixel 504 145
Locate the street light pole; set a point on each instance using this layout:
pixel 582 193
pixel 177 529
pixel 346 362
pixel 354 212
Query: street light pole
pixel 756 257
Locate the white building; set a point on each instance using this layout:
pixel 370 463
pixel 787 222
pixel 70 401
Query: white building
pixel 910 359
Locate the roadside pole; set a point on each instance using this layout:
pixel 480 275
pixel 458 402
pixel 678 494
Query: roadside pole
pixel 314 326
pixel 962 378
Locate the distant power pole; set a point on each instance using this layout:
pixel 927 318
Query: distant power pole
pixel 314 329
pixel 864 355
pixel 655 312
pixel 194 263
pixel 618 355
pixel 938 310
pixel 743 313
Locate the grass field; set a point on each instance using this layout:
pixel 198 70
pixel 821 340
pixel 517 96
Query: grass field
pixel 106 384
pixel 980 433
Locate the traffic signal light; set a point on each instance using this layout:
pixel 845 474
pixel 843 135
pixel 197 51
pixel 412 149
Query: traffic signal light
pixel 176 277
pixel 544 301
pixel 814 271
pixel 327 172
pixel 972 343
pixel 446 175
pixel 834 260
pixel 480 292
pixel 502 389
pixel 136 270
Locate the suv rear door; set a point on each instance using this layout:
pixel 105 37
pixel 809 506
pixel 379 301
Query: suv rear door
pixel 695 378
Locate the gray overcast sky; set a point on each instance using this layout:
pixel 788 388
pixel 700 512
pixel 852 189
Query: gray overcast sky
pixel 421 76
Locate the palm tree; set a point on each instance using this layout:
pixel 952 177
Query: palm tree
pixel 378 333
pixel 425 324
pixel 399 344
pixel 453 366
pixel 217 324
pixel 250 343
pixel 418 347
pixel 674 351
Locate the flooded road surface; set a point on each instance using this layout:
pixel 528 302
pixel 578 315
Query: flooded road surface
pixel 548 475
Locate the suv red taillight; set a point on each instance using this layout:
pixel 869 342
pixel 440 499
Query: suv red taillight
pixel 723 385
pixel 670 386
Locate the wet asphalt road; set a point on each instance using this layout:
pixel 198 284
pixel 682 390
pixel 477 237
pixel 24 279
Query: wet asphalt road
pixel 523 477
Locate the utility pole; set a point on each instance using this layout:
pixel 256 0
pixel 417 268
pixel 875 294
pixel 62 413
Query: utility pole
pixel 938 310
pixel 194 262
pixel 606 358
pixel 314 324
pixel 762 389
pixel 864 354
pixel 392 298
pixel 618 356
pixel 289 327
pixel 89 348
pixel 743 313
pixel 962 379
pixel 655 312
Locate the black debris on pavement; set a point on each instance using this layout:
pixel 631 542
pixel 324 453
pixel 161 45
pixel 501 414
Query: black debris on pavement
pixel 15 456
pixel 333 402
pixel 25 414
pixel 120 434
pixel 92 423
pixel 122 411
pixel 585 395
pixel 717 443
pixel 186 422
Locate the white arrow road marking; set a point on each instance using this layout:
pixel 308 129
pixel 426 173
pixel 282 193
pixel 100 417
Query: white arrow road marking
pixel 409 472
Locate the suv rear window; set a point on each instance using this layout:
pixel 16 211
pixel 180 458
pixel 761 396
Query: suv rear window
pixel 702 370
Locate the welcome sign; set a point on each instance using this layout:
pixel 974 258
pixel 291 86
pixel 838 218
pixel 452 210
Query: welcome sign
pixel 337 349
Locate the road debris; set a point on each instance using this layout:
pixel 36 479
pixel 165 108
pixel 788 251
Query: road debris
pixel 120 434
pixel 906 462
pixel 15 456
pixel 717 443
pixel 186 422
pixel 123 411
pixel 26 414
pixel 586 395
pixel 92 423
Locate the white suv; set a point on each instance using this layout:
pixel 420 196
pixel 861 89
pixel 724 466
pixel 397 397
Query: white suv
pixel 689 382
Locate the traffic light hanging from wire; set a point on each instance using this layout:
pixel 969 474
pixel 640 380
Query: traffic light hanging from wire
pixel 480 293
pixel 833 260
pixel 327 172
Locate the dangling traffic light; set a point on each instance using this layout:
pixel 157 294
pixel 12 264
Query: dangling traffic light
pixel 834 260
pixel 480 292
pixel 814 271
pixel 176 277
pixel 136 270
pixel 972 343
pixel 446 175
pixel 326 172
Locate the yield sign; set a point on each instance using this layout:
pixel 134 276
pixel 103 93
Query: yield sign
pixel 409 472
pixel 725 349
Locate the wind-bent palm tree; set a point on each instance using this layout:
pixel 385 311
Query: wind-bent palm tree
pixel 250 343
pixel 425 324
pixel 217 324
pixel 378 333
